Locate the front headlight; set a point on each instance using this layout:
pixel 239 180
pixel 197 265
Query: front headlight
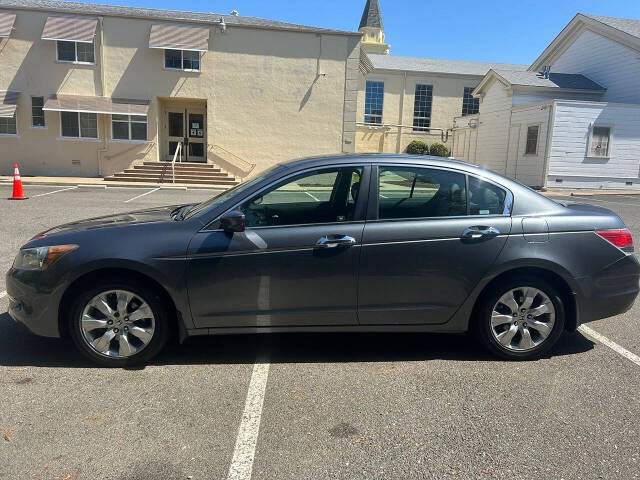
pixel 40 258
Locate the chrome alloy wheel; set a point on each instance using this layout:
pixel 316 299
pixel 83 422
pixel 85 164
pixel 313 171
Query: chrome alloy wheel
pixel 117 323
pixel 522 318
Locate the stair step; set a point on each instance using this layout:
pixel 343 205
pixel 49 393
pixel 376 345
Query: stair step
pixel 225 182
pixel 169 176
pixel 177 167
pixel 203 166
pixel 149 171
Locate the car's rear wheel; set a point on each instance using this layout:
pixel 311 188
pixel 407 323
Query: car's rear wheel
pixel 119 323
pixel 520 318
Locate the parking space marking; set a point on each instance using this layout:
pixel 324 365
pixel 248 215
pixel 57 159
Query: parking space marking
pixel 590 199
pixel 55 191
pixel 612 345
pixel 139 196
pixel 314 198
pixel 245 449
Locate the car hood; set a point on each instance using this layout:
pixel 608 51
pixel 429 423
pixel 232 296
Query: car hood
pixel 158 214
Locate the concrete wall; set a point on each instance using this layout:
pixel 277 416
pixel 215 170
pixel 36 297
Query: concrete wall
pixel 399 98
pixel 609 63
pixel 568 155
pixel 271 95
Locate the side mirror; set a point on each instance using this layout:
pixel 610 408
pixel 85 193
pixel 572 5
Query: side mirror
pixel 232 221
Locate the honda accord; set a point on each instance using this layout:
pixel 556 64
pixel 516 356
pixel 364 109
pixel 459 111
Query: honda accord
pixel 364 243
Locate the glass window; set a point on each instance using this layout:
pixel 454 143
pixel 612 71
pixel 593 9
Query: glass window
pixel 70 124
pixel 37 114
pixel 599 143
pixel 325 196
pixel 190 60
pixel 532 140
pixel 129 127
pixel 8 126
pixel 85 52
pixel 66 51
pixel 422 108
pixel 470 105
pixel 374 100
pixel 88 125
pixel 486 198
pixel 173 59
pixel 405 192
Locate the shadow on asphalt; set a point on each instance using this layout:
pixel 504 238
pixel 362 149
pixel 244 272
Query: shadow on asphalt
pixel 20 348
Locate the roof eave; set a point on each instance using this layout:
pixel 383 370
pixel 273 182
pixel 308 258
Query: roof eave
pixel 540 88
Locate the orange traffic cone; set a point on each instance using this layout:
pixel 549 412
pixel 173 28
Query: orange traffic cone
pixel 18 193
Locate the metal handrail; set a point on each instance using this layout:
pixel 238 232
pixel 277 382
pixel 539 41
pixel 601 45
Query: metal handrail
pixel 173 162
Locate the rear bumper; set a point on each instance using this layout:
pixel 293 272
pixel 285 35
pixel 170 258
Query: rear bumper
pixel 610 292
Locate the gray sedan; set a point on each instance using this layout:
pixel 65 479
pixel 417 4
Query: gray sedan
pixel 368 243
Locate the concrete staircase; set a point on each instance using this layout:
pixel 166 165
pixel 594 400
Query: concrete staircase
pixel 160 172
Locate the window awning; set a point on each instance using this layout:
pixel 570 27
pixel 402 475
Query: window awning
pixel 109 106
pixel 71 29
pixel 179 37
pixel 8 103
pixel 7 19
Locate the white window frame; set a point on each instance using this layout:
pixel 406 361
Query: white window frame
pixel 80 138
pixel 416 129
pixel 129 122
pixel 44 117
pixel 164 56
pixel 590 142
pixel 76 62
pixel 526 140
pixel 384 88
pixel 12 135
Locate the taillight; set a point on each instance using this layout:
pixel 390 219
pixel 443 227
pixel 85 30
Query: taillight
pixel 620 238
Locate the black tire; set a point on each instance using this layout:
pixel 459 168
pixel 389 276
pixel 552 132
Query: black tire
pixel 148 294
pixel 481 323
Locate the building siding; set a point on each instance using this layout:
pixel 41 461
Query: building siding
pixel 528 168
pixel 568 156
pixel 609 63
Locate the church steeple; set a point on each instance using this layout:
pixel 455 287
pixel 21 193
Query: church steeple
pixel 373 29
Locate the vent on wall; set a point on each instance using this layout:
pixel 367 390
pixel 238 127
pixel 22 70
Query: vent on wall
pixel 75 162
pixel 558 180
pixel 629 183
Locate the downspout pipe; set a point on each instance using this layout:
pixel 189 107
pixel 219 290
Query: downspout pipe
pixel 103 148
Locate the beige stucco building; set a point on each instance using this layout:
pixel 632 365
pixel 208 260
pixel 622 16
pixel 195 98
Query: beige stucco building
pixel 90 90
pixel 401 99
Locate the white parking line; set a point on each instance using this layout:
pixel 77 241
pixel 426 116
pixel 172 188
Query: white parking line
pixel 591 199
pixel 245 449
pixel 139 196
pixel 312 196
pixel 612 345
pixel 55 191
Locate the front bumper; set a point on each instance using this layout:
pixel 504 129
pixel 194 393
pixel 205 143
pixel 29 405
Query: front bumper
pixel 34 303
pixel 612 291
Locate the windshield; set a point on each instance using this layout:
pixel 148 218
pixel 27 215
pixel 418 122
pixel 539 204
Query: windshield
pixel 224 196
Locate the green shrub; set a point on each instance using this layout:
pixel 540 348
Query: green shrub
pixel 417 147
pixel 439 150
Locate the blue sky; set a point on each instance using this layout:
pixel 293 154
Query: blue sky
pixel 511 31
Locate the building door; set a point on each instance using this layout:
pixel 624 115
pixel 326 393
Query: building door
pixel 187 127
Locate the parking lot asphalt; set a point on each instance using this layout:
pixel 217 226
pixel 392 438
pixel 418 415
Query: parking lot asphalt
pixel 358 406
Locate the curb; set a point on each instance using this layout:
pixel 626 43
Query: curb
pixel 162 186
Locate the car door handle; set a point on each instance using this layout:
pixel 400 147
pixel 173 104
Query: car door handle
pixel 333 241
pixel 480 232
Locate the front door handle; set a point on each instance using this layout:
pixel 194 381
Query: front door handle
pixel 333 241
pixel 480 232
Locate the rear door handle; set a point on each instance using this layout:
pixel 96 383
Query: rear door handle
pixel 333 241
pixel 480 232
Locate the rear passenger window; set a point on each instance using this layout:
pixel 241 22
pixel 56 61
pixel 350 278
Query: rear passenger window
pixel 486 198
pixel 406 192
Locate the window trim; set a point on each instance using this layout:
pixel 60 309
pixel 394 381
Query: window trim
pixel 80 138
pixel 526 140
pixel 44 117
pixel 364 119
pixel 169 69
pixel 416 129
pixel 374 189
pixel 590 141
pixel 360 209
pixel 76 61
pixel 129 122
pixel 475 99
pixel 12 135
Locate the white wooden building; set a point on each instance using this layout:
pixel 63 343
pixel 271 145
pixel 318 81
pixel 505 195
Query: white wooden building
pixel 572 120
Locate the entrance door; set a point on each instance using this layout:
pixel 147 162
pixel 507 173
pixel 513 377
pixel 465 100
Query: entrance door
pixel 188 127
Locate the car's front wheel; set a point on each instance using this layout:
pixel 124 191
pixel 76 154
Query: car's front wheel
pixel 520 318
pixel 119 323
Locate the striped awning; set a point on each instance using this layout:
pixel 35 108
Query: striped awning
pixel 7 19
pixel 8 103
pixel 179 37
pixel 109 106
pixel 71 29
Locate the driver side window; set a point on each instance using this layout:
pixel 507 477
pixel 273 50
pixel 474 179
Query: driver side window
pixel 322 196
